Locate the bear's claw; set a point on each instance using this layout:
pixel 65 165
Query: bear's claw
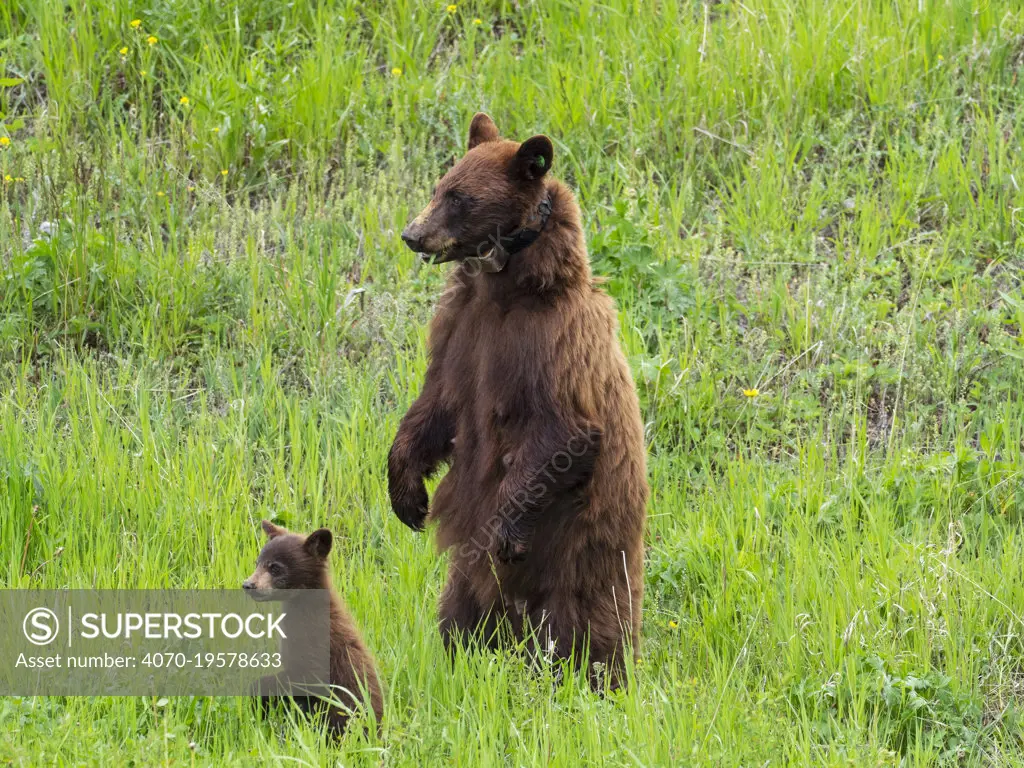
pixel 510 545
pixel 410 506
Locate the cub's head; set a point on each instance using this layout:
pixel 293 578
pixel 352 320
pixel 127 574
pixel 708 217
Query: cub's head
pixel 492 190
pixel 289 561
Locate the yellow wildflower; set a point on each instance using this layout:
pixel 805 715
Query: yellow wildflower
pixel 124 51
pixel 8 177
pixel 397 71
pixel 191 187
pixel 5 141
pixel 752 392
pixel 477 22
pixel 452 8
pixel 224 172
pixel 183 101
pixel 135 23
pixel 160 194
pixel 673 624
pixel 152 40
pixel 142 73
pixel 19 178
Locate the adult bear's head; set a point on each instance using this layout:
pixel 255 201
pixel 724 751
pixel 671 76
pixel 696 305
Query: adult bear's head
pixel 493 198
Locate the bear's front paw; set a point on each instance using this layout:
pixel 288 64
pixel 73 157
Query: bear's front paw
pixel 410 504
pixel 510 545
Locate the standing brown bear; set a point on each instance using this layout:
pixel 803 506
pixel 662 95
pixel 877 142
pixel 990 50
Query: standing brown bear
pixel 529 400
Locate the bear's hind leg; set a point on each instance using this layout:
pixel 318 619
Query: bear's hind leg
pixel 551 637
pixel 463 621
pixel 564 630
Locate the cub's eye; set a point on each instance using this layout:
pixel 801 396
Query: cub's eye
pixel 275 569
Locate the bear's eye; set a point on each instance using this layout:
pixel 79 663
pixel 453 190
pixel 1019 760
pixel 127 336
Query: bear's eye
pixel 458 199
pixel 275 569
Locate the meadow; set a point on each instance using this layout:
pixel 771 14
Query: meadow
pixel 810 215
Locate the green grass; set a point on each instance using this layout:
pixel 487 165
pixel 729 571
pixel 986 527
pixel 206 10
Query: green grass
pixel 818 200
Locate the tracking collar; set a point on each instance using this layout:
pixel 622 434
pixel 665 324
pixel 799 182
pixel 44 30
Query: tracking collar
pixel 503 246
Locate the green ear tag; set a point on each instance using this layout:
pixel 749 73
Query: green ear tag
pixel 540 161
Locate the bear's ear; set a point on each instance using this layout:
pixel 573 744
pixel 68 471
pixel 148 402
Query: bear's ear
pixel 272 531
pixel 534 157
pixel 482 130
pixel 318 543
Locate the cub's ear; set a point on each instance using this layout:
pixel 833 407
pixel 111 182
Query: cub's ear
pixel 318 543
pixel 272 531
pixel 481 130
pixel 534 157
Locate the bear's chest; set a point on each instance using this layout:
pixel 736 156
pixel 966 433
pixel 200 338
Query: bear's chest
pixel 488 368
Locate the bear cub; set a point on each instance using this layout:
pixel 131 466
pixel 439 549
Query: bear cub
pixel 290 561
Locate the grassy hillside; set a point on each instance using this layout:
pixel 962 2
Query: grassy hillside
pixel 811 216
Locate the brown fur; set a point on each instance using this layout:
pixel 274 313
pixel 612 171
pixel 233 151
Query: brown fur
pixel 529 399
pixel 290 561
